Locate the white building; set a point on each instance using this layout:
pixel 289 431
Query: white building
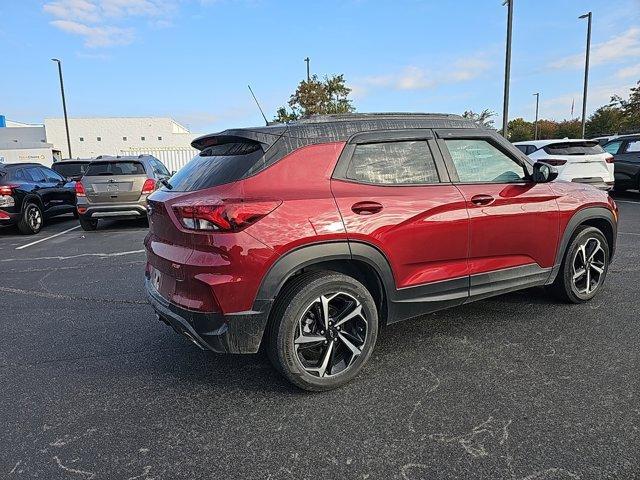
pixel 164 138
pixel 23 142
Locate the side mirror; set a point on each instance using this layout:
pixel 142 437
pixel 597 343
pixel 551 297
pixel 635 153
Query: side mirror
pixel 543 173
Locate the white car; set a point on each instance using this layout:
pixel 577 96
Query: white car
pixel 582 161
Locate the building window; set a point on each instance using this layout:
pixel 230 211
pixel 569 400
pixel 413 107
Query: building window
pixel 142 138
pixel 124 139
pixel 160 138
pixel 82 139
pixel 99 139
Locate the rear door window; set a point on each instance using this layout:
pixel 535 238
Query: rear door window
pixel 574 148
pixel 217 165
pixel 115 168
pixel 36 174
pixel 477 161
pixel 50 175
pixel 393 163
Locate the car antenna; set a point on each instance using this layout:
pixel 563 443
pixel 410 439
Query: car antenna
pixel 258 104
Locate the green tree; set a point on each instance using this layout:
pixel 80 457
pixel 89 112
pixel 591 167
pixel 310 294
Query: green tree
pixel 605 120
pixel 520 130
pixel 483 118
pixel 569 128
pixel 317 97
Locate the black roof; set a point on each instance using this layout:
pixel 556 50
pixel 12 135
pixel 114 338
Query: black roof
pixel 332 128
pixel 23 164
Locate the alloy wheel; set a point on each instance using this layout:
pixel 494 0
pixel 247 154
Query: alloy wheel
pixel 34 217
pixel 331 334
pixel 589 263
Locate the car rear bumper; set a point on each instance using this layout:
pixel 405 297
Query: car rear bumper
pixel 95 212
pixel 232 333
pixel 8 218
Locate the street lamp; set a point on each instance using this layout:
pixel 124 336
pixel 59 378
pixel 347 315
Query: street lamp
pixel 64 104
pixel 537 95
pixel 307 60
pixel 586 72
pixel 507 68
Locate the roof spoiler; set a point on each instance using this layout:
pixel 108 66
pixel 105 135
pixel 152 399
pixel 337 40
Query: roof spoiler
pixel 236 136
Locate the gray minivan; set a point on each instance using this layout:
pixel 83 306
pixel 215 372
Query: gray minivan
pixel 117 187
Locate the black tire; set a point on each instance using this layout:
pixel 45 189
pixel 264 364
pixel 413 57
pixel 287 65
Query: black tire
pixel 569 289
pixel 87 224
pixel 76 215
pixel 31 220
pixel 300 301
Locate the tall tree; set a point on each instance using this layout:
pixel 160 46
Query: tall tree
pixel 329 95
pixel 520 130
pixel 483 118
pixel 605 121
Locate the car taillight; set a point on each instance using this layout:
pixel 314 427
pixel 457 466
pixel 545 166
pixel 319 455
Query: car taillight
pixel 149 186
pixel 608 158
pixel 228 216
pixel 6 190
pixel 554 162
pixel 80 190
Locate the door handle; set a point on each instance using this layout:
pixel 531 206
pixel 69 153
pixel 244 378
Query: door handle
pixel 482 200
pixel 366 208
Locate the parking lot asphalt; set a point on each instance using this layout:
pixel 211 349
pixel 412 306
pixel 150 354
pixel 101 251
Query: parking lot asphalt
pixel 517 387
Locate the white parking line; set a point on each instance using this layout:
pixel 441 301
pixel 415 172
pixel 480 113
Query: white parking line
pixel 47 238
pixel 629 233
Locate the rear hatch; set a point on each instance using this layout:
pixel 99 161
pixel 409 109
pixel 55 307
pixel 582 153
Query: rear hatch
pixel 114 181
pixel 579 159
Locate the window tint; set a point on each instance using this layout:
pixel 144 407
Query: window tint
pixel 50 175
pixel 115 168
pixel 70 169
pixel 479 161
pixel 36 174
pixel 217 165
pixel 21 174
pixel 393 163
pixel 612 147
pixel 574 148
pixel 523 148
pixel 633 146
pixel 159 168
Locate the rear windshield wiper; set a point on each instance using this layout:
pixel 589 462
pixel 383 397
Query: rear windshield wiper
pixel 166 183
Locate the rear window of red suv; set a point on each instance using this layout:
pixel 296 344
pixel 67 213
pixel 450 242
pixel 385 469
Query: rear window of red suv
pixel 217 165
pixel 574 148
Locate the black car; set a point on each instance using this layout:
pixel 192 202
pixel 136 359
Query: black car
pixel 626 161
pixel 72 170
pixel 30 193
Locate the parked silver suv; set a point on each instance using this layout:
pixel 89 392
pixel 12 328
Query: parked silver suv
pixel 117 187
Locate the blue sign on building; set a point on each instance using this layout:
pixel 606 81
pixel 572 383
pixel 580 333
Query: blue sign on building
pixel 3 121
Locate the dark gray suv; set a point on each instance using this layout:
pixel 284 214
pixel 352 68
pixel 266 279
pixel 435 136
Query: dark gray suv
pixel 117 187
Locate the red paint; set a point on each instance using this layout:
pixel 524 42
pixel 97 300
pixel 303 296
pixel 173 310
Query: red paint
pixel 428 233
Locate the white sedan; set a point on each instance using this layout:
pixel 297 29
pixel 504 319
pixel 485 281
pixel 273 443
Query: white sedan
pixel 582 161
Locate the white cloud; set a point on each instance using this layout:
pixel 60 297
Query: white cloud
pixel 413 77
pixel 96 36
pixel 621 47
pixel 629 72
pixel 560 107
pixel 97 20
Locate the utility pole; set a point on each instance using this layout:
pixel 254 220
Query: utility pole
pixel 507 69
pixel 537 95
pixel 588 16
pixel 308 71
pixel 64 105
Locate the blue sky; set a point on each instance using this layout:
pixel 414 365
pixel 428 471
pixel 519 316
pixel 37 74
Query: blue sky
pixel 192 59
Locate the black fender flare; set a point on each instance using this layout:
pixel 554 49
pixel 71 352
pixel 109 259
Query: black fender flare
pixel 308 255
pixel 578 218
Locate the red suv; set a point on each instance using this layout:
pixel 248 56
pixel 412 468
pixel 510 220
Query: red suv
pixel 310 236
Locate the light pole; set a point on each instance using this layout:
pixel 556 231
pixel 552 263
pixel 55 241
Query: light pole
pixel 537 95
pixel 308 72
pixel 64 105
pixel 507 69
pixel 588 16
